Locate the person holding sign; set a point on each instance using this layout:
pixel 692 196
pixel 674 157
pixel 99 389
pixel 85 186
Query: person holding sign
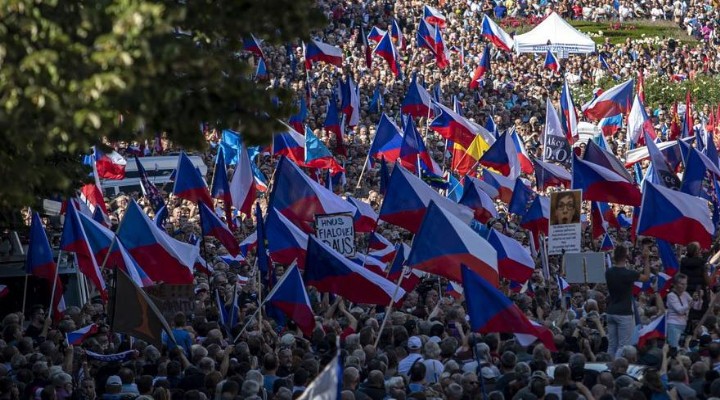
pixel 620 280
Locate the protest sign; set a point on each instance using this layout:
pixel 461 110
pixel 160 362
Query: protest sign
pixel 337 231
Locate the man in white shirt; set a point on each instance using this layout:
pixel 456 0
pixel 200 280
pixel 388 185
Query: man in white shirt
pixel 414 345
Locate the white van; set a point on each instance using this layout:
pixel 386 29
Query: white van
pixel 158 170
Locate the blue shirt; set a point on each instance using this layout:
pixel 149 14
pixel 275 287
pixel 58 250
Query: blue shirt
pixel 183 339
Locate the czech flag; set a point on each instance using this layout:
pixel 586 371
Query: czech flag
pixel 434 16
pixel 481 185
pixel 109 165
pixel 386 50
pixel 412 149
pixel 639 124
pixel 376 34
pixel 549 175
pixel 425 35
pixel 252 44
pixel 248 244
pixel 299 198
pixel 602 218
pixel 482 69
pixel 261 184
pixel 616 100
pixel 242 186
pixel 417 101
pixel 551 62
pixel 382 248
pixel 317 154
pixel 289 296
pixel 92 196
pixel 496 35
pixel 365 219
pixel 537 218
pixel 514 261
pixel 76 338
pixel 286 242
pixel 674 216
pixel 607 243
pixel 502 184
pixel 656 329
pixel 131 267
pixel 332 118
pixel 444 243
pixel 328 271
pixel 290 144
pixel 601 184
pixel 441 56
pixel 163 258
pixel 568 114
pixel 74 240
pixel 491 311
pixel 221 188
pixel 40 263
pixel 189 184
pixel 387 141
pixel 597 155
pixel 479 201
pixel 502 156
pixel 261 72
pixel 611 125
pixel 211 225
pixel 526 165
pixel 407 200
pixel 453 126
pixel 397 35
pixel 316 50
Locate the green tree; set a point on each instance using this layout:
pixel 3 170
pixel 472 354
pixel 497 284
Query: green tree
pixel 73 72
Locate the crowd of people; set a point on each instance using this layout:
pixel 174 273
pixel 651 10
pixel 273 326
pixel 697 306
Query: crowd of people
pixel 427 349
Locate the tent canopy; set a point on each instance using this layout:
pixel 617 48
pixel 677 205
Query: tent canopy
pixel 564 39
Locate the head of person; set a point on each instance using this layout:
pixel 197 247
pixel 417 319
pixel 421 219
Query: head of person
pixel 680 283
pixel 566 208
pixel 693 249
pixel 620 254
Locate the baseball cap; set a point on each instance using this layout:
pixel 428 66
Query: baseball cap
pixel 414 343
pixel 113 380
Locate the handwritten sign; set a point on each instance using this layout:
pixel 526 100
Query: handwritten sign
pixel 337 231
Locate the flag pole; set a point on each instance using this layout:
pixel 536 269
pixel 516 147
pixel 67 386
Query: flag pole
pixel 389 308
pixel 24 295
pixel 367 158
pixel 260 299
pixel 269 296
pixel 54 284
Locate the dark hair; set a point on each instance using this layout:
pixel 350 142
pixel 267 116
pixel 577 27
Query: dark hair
pixel 620 253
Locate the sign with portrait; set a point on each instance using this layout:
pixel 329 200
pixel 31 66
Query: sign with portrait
pixel 337 231
pixel 565 231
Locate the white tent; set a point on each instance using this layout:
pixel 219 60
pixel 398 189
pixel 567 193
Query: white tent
pixel 563 39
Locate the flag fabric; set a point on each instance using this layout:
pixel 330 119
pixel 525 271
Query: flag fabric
pixel 4 291
pixel 150 191
pixel 377 103
pixel 425 35
pixel 563 285
pixel 76 338
pixel 480 202
pixel 455 189
pixel 328 384
pixel 522 196
pixel 602 218
pixel 639 124
pixel 387 141
pixel 131 267
pixel 417 101
pixel 441 56
pixel 211 225
pixel 230 143
pixel 366 48
pixel 74 240
pixel 249 244
pixel 220 188
pixel 134 314
pixel 660 166
pixel 316 50
pixel 332 119
pixel 376 34
pixel 163 258
pixel 290 144
pixel 252 44
pixel 92 196
pixel 242 186
pixel 656 329
pixel 189 184
pixel 674 216
pixel 300 198
pixel 434 16
pixel 537 218
pixel 526 164
pixel 317 154
pixel 597 155
pixel 607 243
pixel 386 50
pixel 381 247
pixel 482 69
pixel 514 261
pixel 444 243
pixel 616 100
pixel 668 258
pixel 290 297
pixel 412 149
pixel 407 200
pixel 285 241
pixel 483 186
pixel 261 72
pixel 491 311
pixel 397 35
pixel 502 184
pixel 601 184
pixel 549 175
pixel 40 263
pixel 611 125
pixel 297 120
pixel 568 114
pixel 453 126
pixel 365 218
pixel 551 62
pixel 328 271
pixel 697 166
pixel 109 165
pixel 502 156
pixel 496 35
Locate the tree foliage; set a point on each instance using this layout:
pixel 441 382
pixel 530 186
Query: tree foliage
pixel 73 72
